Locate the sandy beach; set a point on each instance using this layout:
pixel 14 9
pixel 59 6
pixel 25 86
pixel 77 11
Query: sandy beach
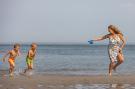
pixel 61 81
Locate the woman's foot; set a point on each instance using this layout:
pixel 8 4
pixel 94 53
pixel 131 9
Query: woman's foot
pixel 110 74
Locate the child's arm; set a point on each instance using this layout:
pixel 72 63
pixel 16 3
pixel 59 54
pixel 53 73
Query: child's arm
pixel 6 56
pixel 102 38
pixel 18 54
pixel 34 54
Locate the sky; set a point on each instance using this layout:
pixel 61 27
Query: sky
pixel 64 21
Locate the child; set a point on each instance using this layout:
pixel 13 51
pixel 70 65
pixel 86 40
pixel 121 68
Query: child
pixel 12 56
pixel 30 57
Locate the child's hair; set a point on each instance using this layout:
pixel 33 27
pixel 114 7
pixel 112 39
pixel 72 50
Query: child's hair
pixel 115 29
pixel 33 44
pixel 16 45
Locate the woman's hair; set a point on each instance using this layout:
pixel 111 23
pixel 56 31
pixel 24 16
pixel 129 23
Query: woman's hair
pixel 115 29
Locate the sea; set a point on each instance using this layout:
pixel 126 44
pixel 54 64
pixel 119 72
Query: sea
pixel 80 59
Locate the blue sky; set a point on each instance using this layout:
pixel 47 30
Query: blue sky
pixel 64 21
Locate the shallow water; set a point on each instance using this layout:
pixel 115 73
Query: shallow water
pixel 72 59
pixel 92 86
pixel 80 86
pixel 102 86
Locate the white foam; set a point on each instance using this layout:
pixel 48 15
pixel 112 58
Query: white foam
pixel 21 88
pixel 39 85
pixel 79 86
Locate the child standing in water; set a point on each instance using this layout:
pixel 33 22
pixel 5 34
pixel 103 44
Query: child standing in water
pixel 30 57
pixel 116 44
pixel 12 56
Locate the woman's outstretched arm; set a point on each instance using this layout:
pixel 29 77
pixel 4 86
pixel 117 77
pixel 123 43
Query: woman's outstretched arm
pixel 101 38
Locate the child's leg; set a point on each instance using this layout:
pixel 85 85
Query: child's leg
pixel 11 69
pixel 28 67
pixel 31 64
pixel 28 64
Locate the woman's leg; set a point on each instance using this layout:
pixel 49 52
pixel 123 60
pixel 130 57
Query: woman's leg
pixel 120 59
pixel 111 66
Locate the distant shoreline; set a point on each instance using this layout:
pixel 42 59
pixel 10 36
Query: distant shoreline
pixel 64 44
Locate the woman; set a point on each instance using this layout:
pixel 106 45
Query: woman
pixel 116 44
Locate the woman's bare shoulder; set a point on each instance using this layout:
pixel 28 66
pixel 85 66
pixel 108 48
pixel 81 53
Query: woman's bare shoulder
pixel 121 36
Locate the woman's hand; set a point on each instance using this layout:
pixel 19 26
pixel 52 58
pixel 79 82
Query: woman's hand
pixel 120 50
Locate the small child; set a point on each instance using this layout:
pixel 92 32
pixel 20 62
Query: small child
pixel 30 57
pixel 12 56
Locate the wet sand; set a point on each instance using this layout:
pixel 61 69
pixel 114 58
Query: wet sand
pixel 61 81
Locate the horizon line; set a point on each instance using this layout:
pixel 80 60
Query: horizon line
pixel 58 43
